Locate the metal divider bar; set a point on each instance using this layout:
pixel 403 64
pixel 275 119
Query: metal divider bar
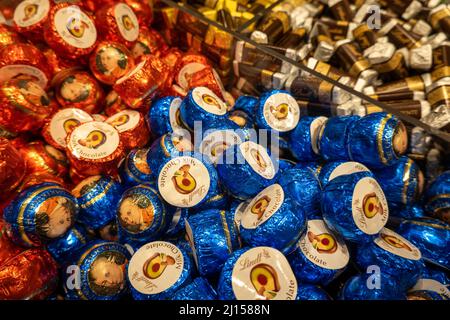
pixel 259 15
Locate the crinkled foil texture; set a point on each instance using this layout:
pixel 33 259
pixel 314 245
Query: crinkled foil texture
pixel 356 288
pixel 199 289
pixel 301 140
pixel 334 141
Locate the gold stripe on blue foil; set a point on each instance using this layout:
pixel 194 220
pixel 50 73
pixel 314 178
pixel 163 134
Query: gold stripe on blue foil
pixel 226 231
pixel 380 138
pixel 406 174
pixel 163 146
pixel 97 197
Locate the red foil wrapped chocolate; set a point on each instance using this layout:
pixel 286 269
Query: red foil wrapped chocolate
pixel 143 11
pixel 207 77
pixel 12 168
pixel 8 36
pixel 36 178
pixel 25 273
pixel 24 59
pixel 24 105
pixel 110 61
pixel 144 82
pixel 30 17
pixel 117 22
pixel 42 158
pixel 149 42
pixel 70 31
pixel 55 61
pixel 78 89
pixel 95 148
pixel 188 65
pixel 132 128
pixel 114 104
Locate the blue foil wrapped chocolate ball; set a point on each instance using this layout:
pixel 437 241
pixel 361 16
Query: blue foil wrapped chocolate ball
pixel 198 289
pixel 437 197
pixel 260 273
pixel 157 270
pixel 320 255
pixel 164 116
pixel 246 170
pixel 377 140
pixel 39 214
pixel 203 106
pixel 62 248
pixel 413 211
pixel 277 111
pixel 376 286
pixel 246 103
pixel 241 119
pixel 432 285
pixel 165 147
pixel 97 197
pixel 101 269
pixel 335 169
pixel 142 216
pixel 135 170
pixel 401 182
pixel 304 139
pixel 303 186
pixel 188 181
pixel 311 292
pixel 178 219
pixel 431 236
pixel 273 219
pixel 333 142
pixel 394 255
pixel 285 164
pixel 213 238
pixel 355 206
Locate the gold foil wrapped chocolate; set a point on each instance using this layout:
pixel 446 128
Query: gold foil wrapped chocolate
pixel 42 158
pixel 95 148
pixel 78 89
pixel 24 105
pixel 24 59
pixel 110 61
pixel 144 82
pixel 117 22
pixel 70 31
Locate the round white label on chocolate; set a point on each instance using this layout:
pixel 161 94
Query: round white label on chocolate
pixel 125 120
pixel 155 267
pixel 347 168
pixel 174 114
pixel 75 27
pixel 215 143
pixel 369 206
pixel 262 207
pixel 12 71
pixel 30 12
pixel 238 212
pixel 431 285
pixel 208 101
pixel 258 158
pixel 322 247
pixel 186 71
pixel 263 273
pixel 281 112
pixel 315 131
pixel 190 239
pixel 94 140
pixel 64 121
pixel 396 244
pixel 127 22
pixel 184 181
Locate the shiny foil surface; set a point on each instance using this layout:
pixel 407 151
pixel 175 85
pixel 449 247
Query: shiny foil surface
pixel 281 230
pixel 311 292
pixel 160 118
pixel 199 289
pixel 42 158
pixel 224 286
pixel 34 29
pixel 58 42
pixel 213 238
pixel 431 236
pixel 246 103
pixel 433 285
pixel 148 42
pixel 78 89
pixel 371 140
pixel 336 204
pixel 437 197
pixel 177 224
pixel 102 269
pixel 239 178
pixel 97 197
pixel 334 142
pixel 40 213
pixel 184 279
pixel 304 187
pixel 142 216
pixel 8 36
pixel 135 170
pixel 110 61
pixel 356 288
pixel 62 248
pixel 402 182
pixel 406 271
pixel 132 127
pixel 327 170
pixel 303 144
pixel 12 167
pixel 191 111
